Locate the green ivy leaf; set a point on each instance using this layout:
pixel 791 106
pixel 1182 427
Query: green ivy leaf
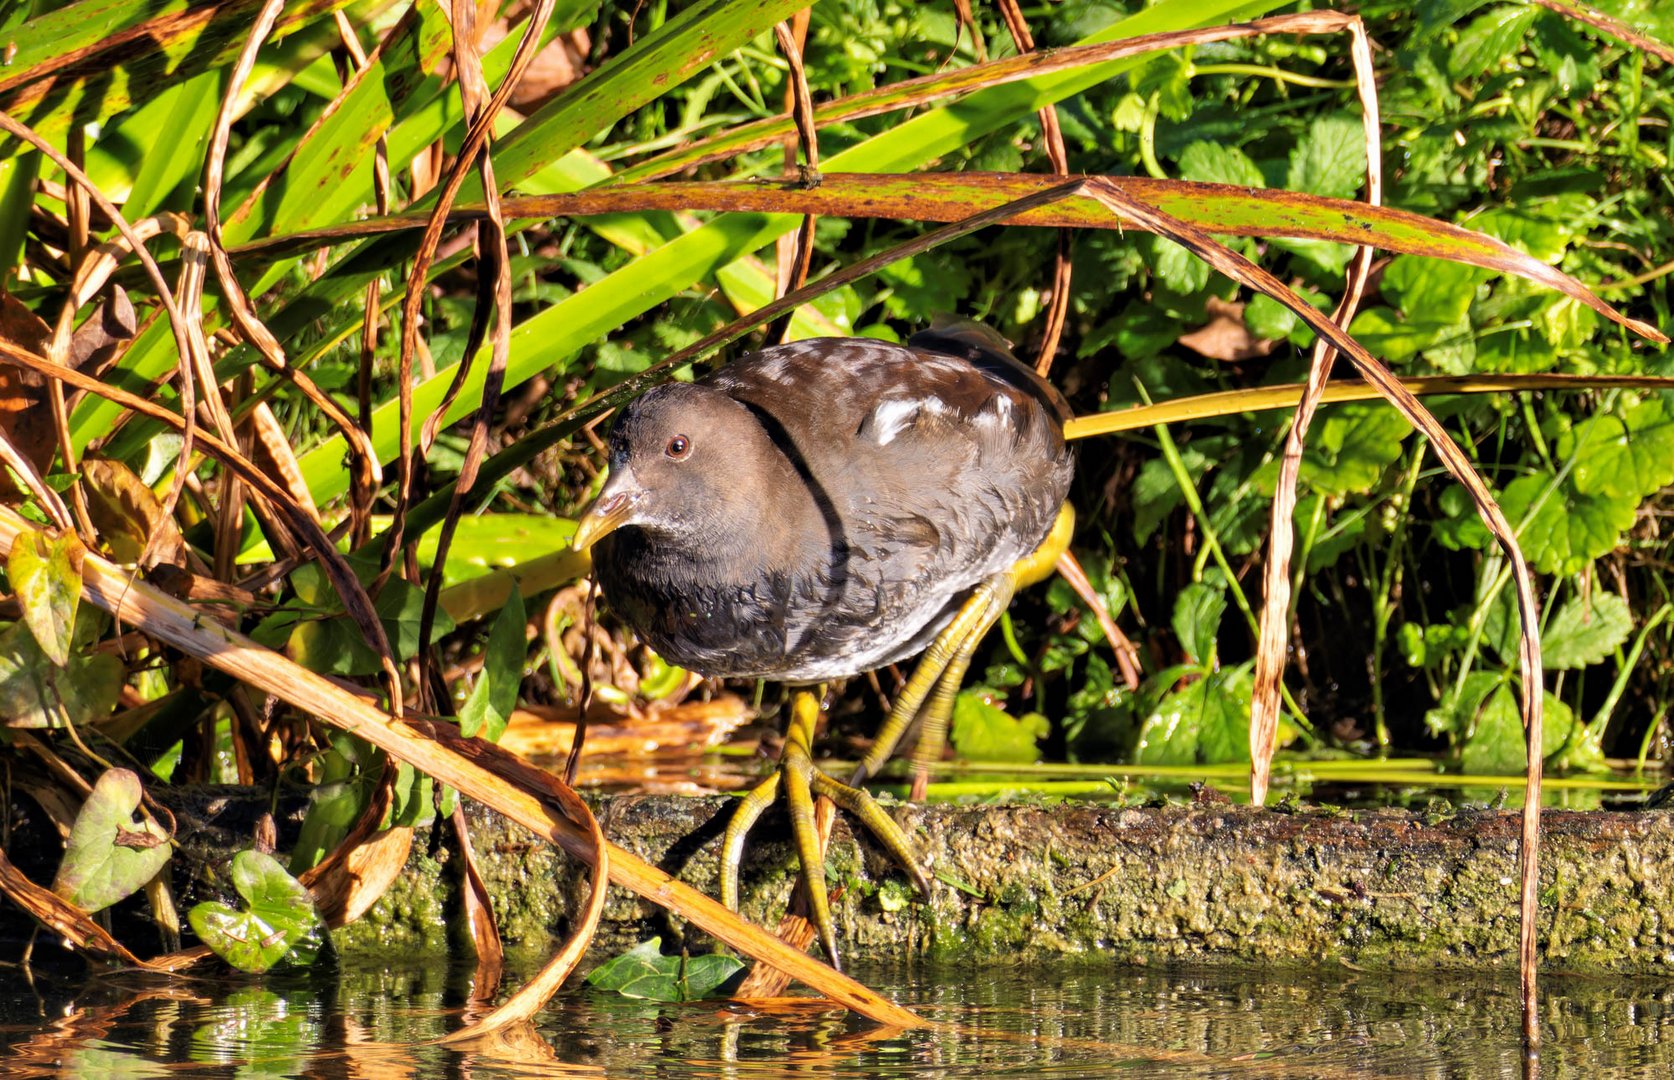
pixel 110 856
pixel 1154 495
pixel 1178 269
pixel 1330 159
pixel 1434 290
pixel 46 574
pixel 1629 455
pixel 984 732
pixel 1265 317
pixel 1581 633
pixel 277 915
pixel 494 696
pixel 644 972
pixel 1197 619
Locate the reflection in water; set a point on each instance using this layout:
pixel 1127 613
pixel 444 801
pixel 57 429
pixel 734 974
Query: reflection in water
pixel 1082 1020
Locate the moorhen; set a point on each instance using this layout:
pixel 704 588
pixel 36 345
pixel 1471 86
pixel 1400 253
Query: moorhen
pixel 823 508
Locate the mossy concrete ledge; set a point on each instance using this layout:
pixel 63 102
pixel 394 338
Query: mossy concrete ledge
pixel 1378 889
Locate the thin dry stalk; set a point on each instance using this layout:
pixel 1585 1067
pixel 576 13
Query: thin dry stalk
pixel 1052 135
pixel 796 254
pixel 476 137
pixel 1616 28
pixel 360 497
pixel 356 600
pixel 1248 274
pixel 1338 391
pixel 1275 612
pixel 495 279
pixel 78 179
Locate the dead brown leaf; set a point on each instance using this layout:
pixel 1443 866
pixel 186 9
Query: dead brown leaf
pixel 1225 337
pixel 128 514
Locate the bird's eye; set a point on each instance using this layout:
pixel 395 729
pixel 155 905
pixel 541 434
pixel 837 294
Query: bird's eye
pixel 678 447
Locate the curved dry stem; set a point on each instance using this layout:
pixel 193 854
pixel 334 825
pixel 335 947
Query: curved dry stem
pixel 1247 273
pixel 181 626
pixel 539 990
pixel 476 137
pixel 165 296
pixel 1275 611
pixel 495 285
pixel 356 600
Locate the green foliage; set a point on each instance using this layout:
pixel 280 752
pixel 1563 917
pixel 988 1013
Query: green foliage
pixel 45 573
pixel 983 732
pixel 494 696
pixel 644 972
pixel 109 855
pixel 274 919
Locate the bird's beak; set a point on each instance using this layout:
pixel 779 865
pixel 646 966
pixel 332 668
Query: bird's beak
pixel 614 508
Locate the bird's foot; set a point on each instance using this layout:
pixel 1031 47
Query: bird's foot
pixel 802 782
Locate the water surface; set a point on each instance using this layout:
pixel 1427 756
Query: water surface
pixel 364 1020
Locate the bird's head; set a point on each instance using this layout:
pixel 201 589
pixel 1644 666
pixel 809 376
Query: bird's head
pixel 681 461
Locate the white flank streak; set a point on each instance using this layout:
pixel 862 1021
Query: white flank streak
pixel 891 417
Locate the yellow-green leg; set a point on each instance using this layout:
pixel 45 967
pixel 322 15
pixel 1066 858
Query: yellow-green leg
pixel 802 781
pixel 934 683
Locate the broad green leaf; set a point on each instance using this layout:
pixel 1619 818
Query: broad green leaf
pixel 1542 234
pixel 1397 340
pixel 347 778
pixel 276 915
pixel 110 856
pixel 1197 619
pixel 1267 318
pixel 643 972
pixel 1350 449
pixel 414 801
pixel 1429 290
pixel 316 634
pixel 1628 455
pixel 1179 269
pixel 1331 158
pixel 1154 494
pixel 984 732
pixel 495 695
pixel 1219 163
pixel 1205 723
pixel 36 693
pixel 1455 714
pixel 1583 632
pixel 1496 746
pixel 46 575
pixel 1569 529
